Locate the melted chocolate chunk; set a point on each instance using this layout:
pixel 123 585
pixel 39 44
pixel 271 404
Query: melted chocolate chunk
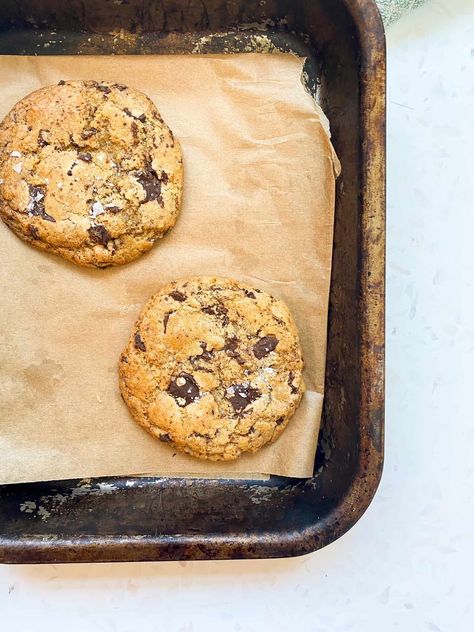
pixel 99 235
pixel 139 344
pixel 249 294
pixel 120 86
pixel 134 128
pixel 61 82
pixel 36 204
pixel 178 296
pixel 242 395
pixel 113 209
pixel 264 346
pixel 205 355
pixel 87 133
pixel 165 320
pixel 184 389
pixel 42 142
pixel 141 118
pixel 217 310
pixel 164 177
pixel 150 181
pixel 104 89
pixel 164 437
pixel 33 231
pixel 231 349
pixel 293 388
pixel 85 156
pixel 199 435
pixel 279 421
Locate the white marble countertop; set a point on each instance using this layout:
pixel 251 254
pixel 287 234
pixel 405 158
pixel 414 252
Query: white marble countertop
pixel 407 565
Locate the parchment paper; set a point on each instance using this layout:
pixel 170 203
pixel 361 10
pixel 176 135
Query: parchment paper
pixel 258 206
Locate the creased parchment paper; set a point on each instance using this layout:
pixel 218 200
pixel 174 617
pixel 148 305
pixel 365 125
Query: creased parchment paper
pixel 258 206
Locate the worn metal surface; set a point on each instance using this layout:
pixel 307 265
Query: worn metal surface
pixel 163 519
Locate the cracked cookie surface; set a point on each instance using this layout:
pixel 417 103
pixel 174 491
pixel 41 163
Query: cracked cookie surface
pixel 89 171
pixel 213 367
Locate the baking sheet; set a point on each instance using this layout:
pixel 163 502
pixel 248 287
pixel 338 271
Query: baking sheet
pixel 258 206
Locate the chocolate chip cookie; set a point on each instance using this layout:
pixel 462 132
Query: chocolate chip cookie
pixel 213 367
pixel 89 171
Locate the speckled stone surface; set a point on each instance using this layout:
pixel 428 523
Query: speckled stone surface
pixel 393 10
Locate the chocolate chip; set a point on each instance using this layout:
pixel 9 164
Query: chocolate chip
pixel 164 177
pixel 206 355
pixel 87 133
pixel 165 320
pixel 42 142
pixel 33 231
pixel 199 435
pixel 119 86
pixel 150 181
pixel 164 437
pixel 72 141
pixel 249 294
pixel 61 82
pixel 293 388
pixel 141 117
pixel 231 344
pixel 178 296
pixel 184 389
pixel 139 344
pixel 242 395
pixel 264 346
pixel 217 310
pixel 230 348
pixel 36 204
pixel 99 235
pixel 85 156
pixel 104 89
pixel 279 421
pixel 134 128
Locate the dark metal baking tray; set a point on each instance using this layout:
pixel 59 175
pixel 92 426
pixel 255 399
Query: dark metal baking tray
pixel 169 519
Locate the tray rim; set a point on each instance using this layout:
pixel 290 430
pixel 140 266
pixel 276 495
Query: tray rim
pixel 38 549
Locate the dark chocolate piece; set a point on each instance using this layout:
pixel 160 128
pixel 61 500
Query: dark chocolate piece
pixel 164 437
pixel 293 388
pixel 184 389
pixel 217 310
pixel 36 204
pixel 42 142
pixel 178 296
pixel 87 133
pixel 265 346
pixel 231 349
pixel 104 89
pixel 150 181
pixel 165 320
pixel 99 235
pixel 139 344
pixel 85 156
pixel 242 395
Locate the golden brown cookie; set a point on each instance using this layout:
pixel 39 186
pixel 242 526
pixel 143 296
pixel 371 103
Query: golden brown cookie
pixel 89 171
pixel 213 367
